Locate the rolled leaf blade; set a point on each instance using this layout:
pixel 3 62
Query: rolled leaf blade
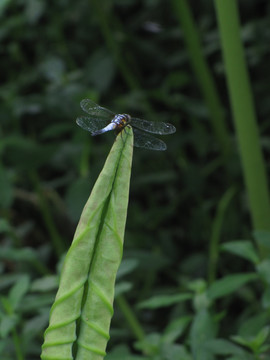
pixel 81 314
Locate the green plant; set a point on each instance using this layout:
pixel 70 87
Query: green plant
pixel 81 314
pixel 243 109
pixel 194 280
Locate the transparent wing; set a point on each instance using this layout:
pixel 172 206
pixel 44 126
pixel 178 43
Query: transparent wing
pixel 154 127
pixel 146 141
pixel 90 123
pixel 95 110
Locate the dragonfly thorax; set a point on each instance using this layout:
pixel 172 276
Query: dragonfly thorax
pixel 121 120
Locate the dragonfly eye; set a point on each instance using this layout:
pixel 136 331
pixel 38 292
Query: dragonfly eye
pixel 127 117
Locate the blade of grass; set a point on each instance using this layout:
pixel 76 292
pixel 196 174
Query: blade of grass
pixel 81 314
pixel 203 74
pixel 244 113
pixel 216 233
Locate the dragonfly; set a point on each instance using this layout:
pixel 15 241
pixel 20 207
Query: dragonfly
pixel 101 120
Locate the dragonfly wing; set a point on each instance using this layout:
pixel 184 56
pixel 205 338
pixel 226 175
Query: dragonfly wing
pixel 95 110
pixel 146 141
pixel 91 124
pixel 154 127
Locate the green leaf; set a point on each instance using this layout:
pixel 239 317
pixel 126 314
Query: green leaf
pixel 244 114
pixel 122 287
pixel 229 284
pixel 174 351
pixel 223 347
pixel 263 269
pixel 123 352
pixel 255 343
pixel 150 345
pixel 156 302
pixel 254 324
pixel 18 291
pixel 203 329
pixel 34 325
pixel 45 284
pixel 243 248
pixel 201 301
pixel 126 267
pixel 25 254
pixel 261 337
pixel 3 5
pixel 4 226
pixel 241 340
pixel 262 238
pixel 198 286
pixel 36 302
pixel 7 324
pixel 175 329
pixel 86 290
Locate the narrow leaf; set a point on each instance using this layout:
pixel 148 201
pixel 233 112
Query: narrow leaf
pixel 223 347
pixel 244 114
pixel 243 248
pixel 203 329
pixel 18 291
pixel 229 284
pixel 175 329
pixel 263 269
pixel 156 302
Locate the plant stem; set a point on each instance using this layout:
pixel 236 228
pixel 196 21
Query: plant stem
pixel 17 344
pixel 112 45
pixel 203 74
pixel 216 232
pixel 244 113
pixel 55 237
pixel 130 317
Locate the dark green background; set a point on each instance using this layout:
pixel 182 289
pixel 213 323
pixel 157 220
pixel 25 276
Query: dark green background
pixel 130 57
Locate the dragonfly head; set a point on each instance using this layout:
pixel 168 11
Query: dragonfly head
pixel 127 118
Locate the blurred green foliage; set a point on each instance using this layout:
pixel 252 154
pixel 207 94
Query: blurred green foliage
pixel 129 56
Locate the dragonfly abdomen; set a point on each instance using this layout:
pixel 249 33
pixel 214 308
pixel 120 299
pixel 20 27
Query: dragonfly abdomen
pixel 109 127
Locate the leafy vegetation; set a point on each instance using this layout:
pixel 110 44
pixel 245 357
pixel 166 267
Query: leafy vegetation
pixel 194 279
